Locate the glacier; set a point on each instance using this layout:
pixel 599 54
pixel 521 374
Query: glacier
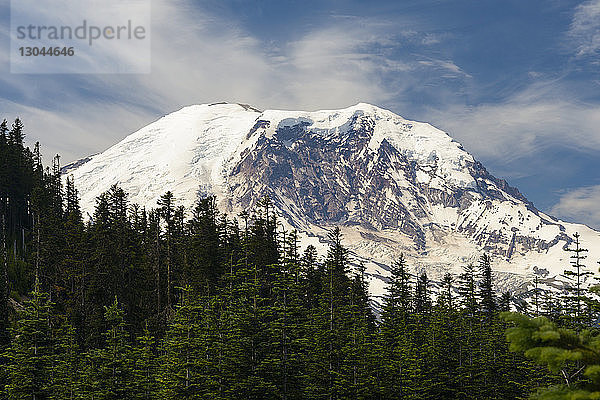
pixel 392 185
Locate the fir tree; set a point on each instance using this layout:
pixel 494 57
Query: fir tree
pixel 559 349
pixel 446 298
pixel 205 246
pixel 576 298
pixel 166 210
pixel 111 367
pixel 422 297
pixel 146 366
pixel 181 372
pixel 468 290
pixel 65 383
pixel 395 328
pixel 486 289
pixel 30 355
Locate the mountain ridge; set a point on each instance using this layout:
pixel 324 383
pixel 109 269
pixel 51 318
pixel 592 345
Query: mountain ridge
pixel 392 184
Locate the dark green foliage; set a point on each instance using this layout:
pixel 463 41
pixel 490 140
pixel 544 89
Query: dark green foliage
pixel 66 363
pixel 30 354
pixel 205 245
pixel 486 289
pixel 158 303
pixel 110 369
pixel 575 357
pixel 180 375
pixel 146 366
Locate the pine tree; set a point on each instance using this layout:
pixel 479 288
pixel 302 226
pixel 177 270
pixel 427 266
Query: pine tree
pixel 255 318
pixel 282 319
pixel 66 364
pixel 166 210
pixel 30 353
pixel 576 298
pixel 336 290
pixel 314 277
pixel 4 285
pixel 504 302
pixel 468 290
pixel 559 349
pixel 182 363
pixel 486 289
pixel 359 350
pixel 442 346
pixel 469 332
pixel 146 366
pixel 446 298
pixel 205 245
pixel 422 297
pixel 328 326
pixel 111 367
pixel 394 341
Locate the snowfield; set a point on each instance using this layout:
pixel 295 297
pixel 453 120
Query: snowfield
pixel 391 184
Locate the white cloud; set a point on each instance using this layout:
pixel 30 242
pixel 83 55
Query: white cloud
pixel 525 124
pixel 198 58
pixel 582 204
pixel 78 131
pixel 335 67
pixel 446 66
pixel 585 28
pixel 431 38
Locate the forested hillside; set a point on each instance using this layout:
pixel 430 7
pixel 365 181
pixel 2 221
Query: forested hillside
pixel 171 303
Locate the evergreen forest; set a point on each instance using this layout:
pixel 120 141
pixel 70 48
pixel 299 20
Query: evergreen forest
pixel 169 303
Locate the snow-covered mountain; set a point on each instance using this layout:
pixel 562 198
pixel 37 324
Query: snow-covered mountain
pixel 392 185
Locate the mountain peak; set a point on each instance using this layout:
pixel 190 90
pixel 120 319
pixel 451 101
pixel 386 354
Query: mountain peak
pixel 393 185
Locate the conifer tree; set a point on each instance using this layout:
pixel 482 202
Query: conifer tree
pixel 469 332
pixel 146 366
pixel 504 302
pixel 327 323
pixel 314 277
pixel 468 290
pixel 166 210
pixel 486 289
pixel 446 298
pixel 183 359
pixel 111 367
pixel 443 341
pixel 4 285
pixel 152 240
pixel 336 290
pixel 396 323
pixel 255 318
pixel 206 245
pixel 30 354
pixel 576 299
pixel 66 363
pixel 422 297
pixel 359 347
pixel 558 349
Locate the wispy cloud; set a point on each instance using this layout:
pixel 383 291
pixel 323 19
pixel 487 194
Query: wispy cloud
pixel 525 124
pixel 77 131
pixel 197 58
pixel 582 204
pixel 447 67
pixel 584 32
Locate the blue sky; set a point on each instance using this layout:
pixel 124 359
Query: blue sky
pixel 516 82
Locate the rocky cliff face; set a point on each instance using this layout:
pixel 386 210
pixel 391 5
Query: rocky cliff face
pixel 393 185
